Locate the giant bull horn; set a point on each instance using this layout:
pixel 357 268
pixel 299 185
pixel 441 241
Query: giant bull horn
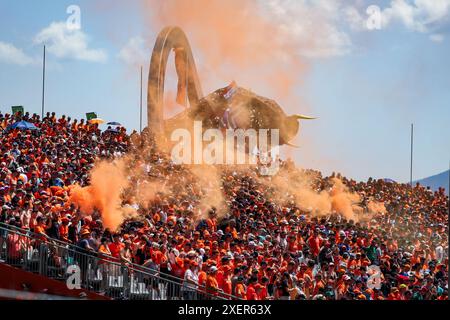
pixel 300 116
pixel 291 145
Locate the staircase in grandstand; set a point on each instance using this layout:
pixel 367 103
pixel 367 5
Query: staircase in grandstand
pixel 97 273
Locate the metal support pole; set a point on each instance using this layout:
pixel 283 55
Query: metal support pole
pixel 140 106
pixel 411 165
pixel 43 86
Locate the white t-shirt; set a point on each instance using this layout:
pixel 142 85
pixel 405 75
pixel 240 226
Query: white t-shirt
pixel 439 254
pixel 192 276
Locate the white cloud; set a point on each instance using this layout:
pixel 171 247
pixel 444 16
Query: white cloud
pixel 325 26
pixel 10 54
pixel 318 32
pixel 355 20
pixel 420 16
pixel 437 38
pixel 69 43
pixel 134 52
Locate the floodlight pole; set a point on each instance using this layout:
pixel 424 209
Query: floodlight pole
pixel 140 106
pixel 411 164
pixel 43 85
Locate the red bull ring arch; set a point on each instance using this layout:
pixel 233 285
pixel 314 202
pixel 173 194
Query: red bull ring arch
pixel 170 38
pixel 190 93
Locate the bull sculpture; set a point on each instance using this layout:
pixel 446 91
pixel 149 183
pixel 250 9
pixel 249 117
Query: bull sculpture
pixel 230 107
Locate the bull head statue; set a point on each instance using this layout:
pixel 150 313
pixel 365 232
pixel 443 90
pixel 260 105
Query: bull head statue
pixel 229 107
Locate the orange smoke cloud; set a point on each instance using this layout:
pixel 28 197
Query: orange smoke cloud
pixel 147 191
pixel 376 207
pixel 345 202
pixel 171 105
pixel 108 180
pixel 209 177
pixel 235 40
pixel 338 199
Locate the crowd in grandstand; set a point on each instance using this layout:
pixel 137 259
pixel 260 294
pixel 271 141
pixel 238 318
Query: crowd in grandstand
pixel 259 249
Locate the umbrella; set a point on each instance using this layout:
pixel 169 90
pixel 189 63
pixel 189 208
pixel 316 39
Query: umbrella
pixel 23 125
pixel 388 180
pixel 114 124
pixel 96 121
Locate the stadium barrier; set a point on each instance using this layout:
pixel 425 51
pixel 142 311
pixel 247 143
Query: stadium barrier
pixel 92 271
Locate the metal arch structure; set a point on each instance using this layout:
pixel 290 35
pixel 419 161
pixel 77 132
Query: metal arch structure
pixel 170 38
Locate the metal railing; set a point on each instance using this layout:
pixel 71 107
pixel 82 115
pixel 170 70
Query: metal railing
pixel 93 271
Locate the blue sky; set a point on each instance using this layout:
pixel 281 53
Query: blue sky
pixel 365 86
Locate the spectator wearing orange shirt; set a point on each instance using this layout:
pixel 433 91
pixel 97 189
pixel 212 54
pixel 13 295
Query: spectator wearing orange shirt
pixel 64 229
pixel 116 246
pixel 212 286
pixel 226 281
pixel 40 228
pixel 251 291
pixel 240 290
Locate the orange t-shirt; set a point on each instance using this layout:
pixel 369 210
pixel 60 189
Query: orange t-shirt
pixel 212 224
pixel 226 285
pixel 219 278
pixel 115 249
pixel 64 232
pixel 240 291
pixel 251 293
pixel 211 284
pixel 201 278
pixel 263 294
pixel 40 230
pixel 157 256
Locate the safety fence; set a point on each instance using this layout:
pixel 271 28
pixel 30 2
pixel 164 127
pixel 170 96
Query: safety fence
pixel 93 271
